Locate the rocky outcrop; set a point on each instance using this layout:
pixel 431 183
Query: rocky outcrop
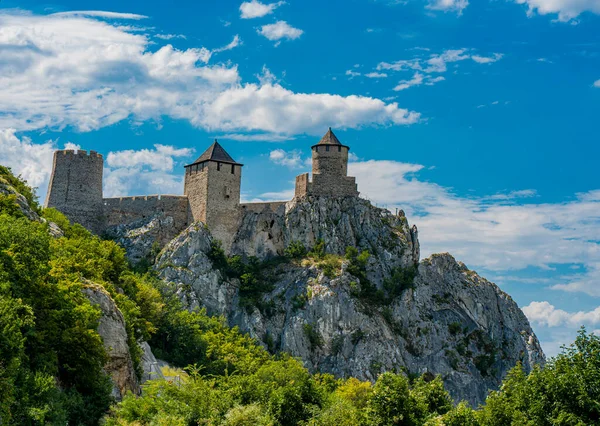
pixel 143 239
pixel 111 328
pixel 450 321
pixel 20 200
pixel 150 365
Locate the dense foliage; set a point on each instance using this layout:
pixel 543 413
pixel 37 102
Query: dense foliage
pixel 51 356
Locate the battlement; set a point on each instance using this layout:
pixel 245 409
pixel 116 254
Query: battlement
pixel 212 188
pixel 79 153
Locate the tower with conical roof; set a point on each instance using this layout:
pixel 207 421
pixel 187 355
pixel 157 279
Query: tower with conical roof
pixel 212 185
pixel 329 170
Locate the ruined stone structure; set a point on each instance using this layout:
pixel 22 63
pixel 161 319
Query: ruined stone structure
pixel 211 190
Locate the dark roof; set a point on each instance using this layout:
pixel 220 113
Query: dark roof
pixel 215 152
pixel 329 139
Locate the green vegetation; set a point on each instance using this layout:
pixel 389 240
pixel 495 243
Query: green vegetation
pixel 254 280
pixel 51 356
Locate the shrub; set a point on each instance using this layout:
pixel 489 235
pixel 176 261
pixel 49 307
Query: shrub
pixel 314 337
pixel 454 328
pixel 295 250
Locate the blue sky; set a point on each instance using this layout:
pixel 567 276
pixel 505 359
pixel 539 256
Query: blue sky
pixel 479 120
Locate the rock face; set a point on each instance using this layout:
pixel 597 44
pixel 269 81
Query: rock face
pixel 451 322
pixel 142 239
pixel 111 328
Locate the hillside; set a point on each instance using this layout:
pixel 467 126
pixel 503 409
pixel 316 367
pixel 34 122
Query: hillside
pixel 338 283
pixel 80 327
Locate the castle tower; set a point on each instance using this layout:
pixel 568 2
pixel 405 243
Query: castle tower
pixel 75 187
pixel 329 170
pixel 212 185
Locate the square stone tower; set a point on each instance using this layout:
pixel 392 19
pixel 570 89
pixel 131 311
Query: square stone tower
pixel 329 170
pixel 212 185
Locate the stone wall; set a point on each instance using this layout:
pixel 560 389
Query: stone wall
pixel 213 190
pixel 260 207
pixel 75 187
pixel 330 169
pixel 196 190
pixel 123 210
pixel 302 185
pixel 330 160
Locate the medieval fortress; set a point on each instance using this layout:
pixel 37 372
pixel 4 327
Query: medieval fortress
pixel 211 190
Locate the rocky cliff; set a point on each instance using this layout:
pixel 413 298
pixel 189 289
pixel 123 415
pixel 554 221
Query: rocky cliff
pixel 341 316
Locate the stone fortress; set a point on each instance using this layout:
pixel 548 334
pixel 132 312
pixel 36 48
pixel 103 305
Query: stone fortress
pixel 211 190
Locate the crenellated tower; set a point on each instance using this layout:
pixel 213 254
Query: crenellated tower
pixel 75 187
pixel 329 170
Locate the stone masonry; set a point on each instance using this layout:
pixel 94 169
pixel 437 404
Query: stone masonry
pixel 211 190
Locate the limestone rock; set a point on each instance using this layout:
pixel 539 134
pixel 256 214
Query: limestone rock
pixel 7 189
pixel 150 365
pixel 111 328
pixel 142 239
pixel 452 322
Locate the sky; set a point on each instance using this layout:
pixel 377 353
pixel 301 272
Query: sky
pixel 478 119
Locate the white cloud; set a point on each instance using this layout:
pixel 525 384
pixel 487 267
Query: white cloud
pixel 70 70
pixel 416 80
pixel 170 36
pixel 352 74
pixel 376 75
pixel 30 160
pixel 255 9
pixel 546 314
pixel 448 5
pixel 436 63
pixel 99 14
pixel 597 83
pixel 565 9
pixel 280 30
pixel 234 43
pixel 133 172
pixel 487 60
pixel 291 159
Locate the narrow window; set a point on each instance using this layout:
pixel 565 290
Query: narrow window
pixel 218 166
pixel 339 149
pixel 233 169
pixel 327 148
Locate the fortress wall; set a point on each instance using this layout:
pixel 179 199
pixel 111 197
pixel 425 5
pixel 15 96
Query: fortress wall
pixel 124 210
pixel 338 186
pixel 260 207
pixel 302 185
pixel 196 189
pixel 223 200
pixel 332 162
pixel 75 187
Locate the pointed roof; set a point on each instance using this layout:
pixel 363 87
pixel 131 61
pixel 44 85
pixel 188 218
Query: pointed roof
pixel 329 139
pixel 215 152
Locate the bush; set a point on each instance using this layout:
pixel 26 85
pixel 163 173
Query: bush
pixel 454 328
pixel 295 250
pixel 314 337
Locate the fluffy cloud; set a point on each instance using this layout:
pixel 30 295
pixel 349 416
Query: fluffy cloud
pixel 448 5
pixel 280 30
pixel 32 161
pixel 597 84
pixel 73 70
pixel 255 9
pixel 291 159
pixel 499 232
pixel 132 172
pixel 565 9
pixel 546 314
